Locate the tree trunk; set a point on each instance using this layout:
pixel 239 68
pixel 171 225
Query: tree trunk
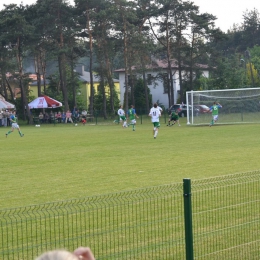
pixel 110 82
pixel 23 91
pixel 125 58
pixel 91 100
pixel 145 88
pixel 37 72
pixel 61 61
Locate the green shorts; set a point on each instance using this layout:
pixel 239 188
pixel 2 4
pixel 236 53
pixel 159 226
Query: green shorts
pixel 156 124
pixel 123 118
pixel 174 118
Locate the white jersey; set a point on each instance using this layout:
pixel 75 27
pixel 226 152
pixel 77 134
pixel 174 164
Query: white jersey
pixel 155 114
pixel 160 109
pixel 121 112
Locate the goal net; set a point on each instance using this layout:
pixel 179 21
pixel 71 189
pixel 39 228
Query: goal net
pixel 238 106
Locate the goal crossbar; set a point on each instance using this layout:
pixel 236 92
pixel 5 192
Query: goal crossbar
pixel 238 106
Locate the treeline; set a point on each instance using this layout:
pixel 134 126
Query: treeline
pixel 113 34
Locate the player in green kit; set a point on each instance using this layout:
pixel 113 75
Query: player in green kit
pixel 214 110
pixel 173 117
pixel 13 120
pixel 132 115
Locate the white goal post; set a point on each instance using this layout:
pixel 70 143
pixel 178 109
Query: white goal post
pixel 238 106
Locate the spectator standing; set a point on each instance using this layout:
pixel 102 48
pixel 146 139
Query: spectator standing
pixel 75 115
pixel 46 117
pixel 41 117
pixel 74 110
pixel 8 114
pixel 84 113
pixel 52 116
pixel 5 116
pixel 63 117
pixel 68 117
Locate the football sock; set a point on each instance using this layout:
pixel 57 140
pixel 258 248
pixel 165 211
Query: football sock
pixel 20 133
pixel 9 132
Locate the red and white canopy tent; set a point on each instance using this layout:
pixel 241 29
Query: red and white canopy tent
pixel 44 102
pixel 4 104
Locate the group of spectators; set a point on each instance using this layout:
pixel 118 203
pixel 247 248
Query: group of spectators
pixel 5 115
pixel 73 116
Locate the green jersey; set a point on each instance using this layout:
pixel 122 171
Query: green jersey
pixel 13 119
pixel 174 116
pixel 131 113
pixel 214 109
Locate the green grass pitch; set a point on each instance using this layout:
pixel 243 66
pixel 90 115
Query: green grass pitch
pixel 52 163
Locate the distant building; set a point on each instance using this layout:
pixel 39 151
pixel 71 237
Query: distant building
pixel 84 89
pixel 84 77
pixel 158 87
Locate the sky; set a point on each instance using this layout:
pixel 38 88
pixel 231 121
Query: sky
pixel 228 12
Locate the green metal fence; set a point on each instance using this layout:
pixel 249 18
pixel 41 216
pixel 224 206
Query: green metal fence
pixel 111 117
pixel 99 118
pixel 226 217
pixel 144 224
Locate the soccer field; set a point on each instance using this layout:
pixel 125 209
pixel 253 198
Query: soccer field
pixel 52 163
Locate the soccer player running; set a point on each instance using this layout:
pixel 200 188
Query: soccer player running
pixel 122 116
pixel 132 115
pixel 155 115
pixel 13 120
pixel 214 110
pixel 174 117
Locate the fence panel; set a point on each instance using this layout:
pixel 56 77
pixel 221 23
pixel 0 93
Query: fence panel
pixel 142 224
pixel 226 217
pixel 112 117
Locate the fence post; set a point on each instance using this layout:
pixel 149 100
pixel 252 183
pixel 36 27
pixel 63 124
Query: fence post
pixel 188 218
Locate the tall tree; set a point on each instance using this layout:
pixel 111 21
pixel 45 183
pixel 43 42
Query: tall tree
pixel 251 27
pixel 173 20
pixel 86 10
pixel 18 33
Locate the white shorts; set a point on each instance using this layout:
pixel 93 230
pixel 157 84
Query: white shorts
pixel 215 118
pixel 133 121
pixel 15 125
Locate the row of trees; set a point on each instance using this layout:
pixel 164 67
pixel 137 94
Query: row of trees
pixel 121 33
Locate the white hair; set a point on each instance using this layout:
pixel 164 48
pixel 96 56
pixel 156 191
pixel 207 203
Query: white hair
pixel 57 255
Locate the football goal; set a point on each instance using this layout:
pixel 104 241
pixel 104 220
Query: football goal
pixel 238 106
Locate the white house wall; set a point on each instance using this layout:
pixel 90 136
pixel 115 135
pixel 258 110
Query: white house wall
pixel 157 89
